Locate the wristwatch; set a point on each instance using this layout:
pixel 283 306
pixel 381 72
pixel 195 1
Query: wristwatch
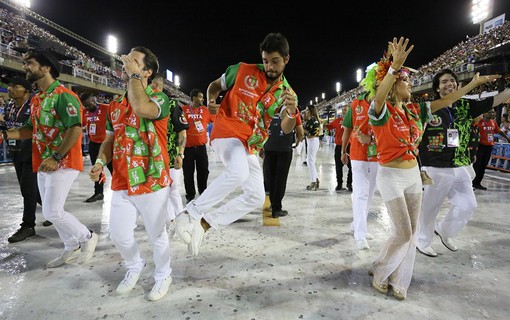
pixel 181 155
pixel 136 76
pixel 57 157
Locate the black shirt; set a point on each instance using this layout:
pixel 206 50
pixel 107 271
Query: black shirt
pixel 433 148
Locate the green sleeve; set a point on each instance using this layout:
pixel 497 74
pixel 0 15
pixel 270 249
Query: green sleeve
pixel 231 74
pixel 163 102
pixel 347 123
pixel 68 108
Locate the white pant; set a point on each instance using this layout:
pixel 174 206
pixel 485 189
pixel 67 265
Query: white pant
pixel 241 170
pixel 313 147
pixel 364 174
pixel 152 207
pixel 174 197
pixel 54 187
pixel 401 190
pixel 451 183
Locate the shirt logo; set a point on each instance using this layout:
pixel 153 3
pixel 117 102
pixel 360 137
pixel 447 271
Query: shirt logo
pixel 359 109
pixel 115 115
pixel 71 110
pixel 182 119
pixel 251 82
pixel 436 121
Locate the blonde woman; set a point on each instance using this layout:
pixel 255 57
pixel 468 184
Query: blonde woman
pixel 398 128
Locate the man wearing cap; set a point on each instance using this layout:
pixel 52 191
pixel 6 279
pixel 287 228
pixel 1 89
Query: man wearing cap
pixel 55 129
pixel 16 114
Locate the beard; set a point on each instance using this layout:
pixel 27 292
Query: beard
pixel 273 75
pixel 33 77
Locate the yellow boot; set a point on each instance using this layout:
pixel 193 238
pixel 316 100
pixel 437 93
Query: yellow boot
pixel 267 204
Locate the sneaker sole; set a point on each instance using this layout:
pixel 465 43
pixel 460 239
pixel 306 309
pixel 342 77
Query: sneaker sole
pixel 444 244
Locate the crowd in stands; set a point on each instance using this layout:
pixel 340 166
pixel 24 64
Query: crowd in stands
pixel 461 58
pixel 15 31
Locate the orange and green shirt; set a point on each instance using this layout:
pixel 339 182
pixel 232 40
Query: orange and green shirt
pixel 247 108
pixel 356 118
pixel 52 113
pixel 140 158
pixel 398 132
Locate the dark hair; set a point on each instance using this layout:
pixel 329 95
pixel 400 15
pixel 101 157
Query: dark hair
pixel 45 58
pixel 194 93
pixel 150 60
pixel 85 95
pixel 159 75
pixel 275 42
pixel 435 81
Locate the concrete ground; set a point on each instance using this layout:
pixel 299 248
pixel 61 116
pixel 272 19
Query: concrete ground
pixel 303 266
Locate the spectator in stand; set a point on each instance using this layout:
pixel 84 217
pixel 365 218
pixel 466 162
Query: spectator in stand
pixel 195 153
pixel 339 165
pixel 313 130
pixel 239 132
pixel 17 113
pixel 56 155
pixel 136 127
pixel 487 127
pixel 94 124
pixel 444 154
pixel 505 124
pixel 359 148
pixel 277 160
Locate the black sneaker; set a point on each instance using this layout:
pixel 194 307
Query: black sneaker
pixel 95 197
pixel 338 188
pixel 47 223
pixel 279 213
pixel 21 234
pixel 349 188
pixel 479 186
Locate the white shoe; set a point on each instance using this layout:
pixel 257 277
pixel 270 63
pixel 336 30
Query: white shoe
pixel 160 289
pixel 428 251
pixel 172 234
pixel 129 281
pixel 197 236
pixel 184 226
pixel 362 244
pixel 447 242
pixel 63 258
pixel 88 248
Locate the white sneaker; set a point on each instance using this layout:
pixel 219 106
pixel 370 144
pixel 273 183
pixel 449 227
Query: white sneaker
pixel 88 248
pixel 172 234
pixel 184 226
pixel 129 281
pixel 362 244
pixel 447 242
pixel 63 258
pixel 197 236
pixel 428 251
pixel 160 289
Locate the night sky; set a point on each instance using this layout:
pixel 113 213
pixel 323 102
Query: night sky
pixel 197 40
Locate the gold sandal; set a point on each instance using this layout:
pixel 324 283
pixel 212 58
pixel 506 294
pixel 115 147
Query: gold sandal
pixel 382 288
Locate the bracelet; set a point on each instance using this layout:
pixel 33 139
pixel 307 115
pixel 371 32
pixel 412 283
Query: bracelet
pixel 101 162
pixel 392 71
pixel 290 116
